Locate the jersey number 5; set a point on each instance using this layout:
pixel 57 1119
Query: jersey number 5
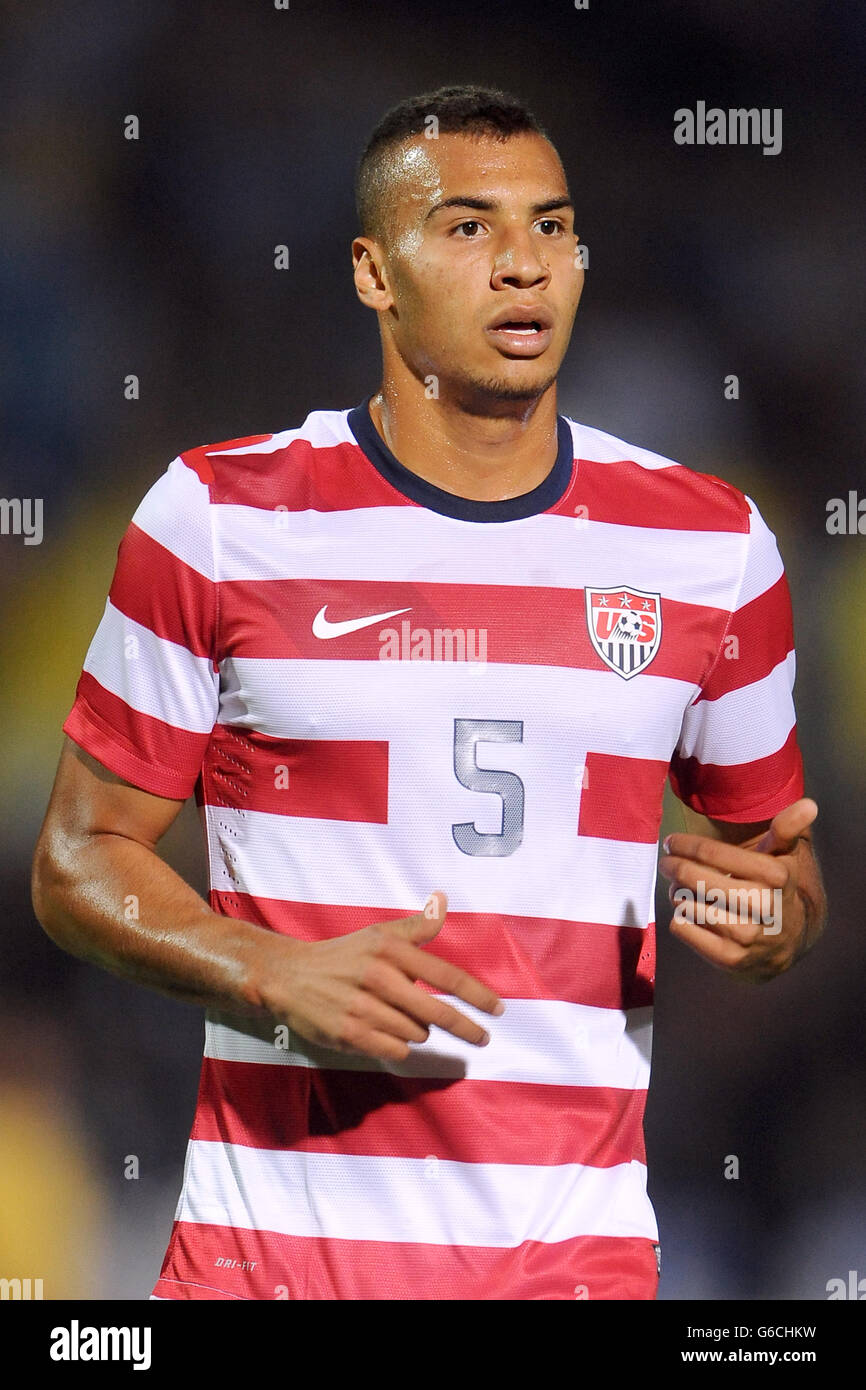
pixel 506 785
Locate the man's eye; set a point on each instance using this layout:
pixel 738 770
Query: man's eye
pixel 471 223
pixel 551 223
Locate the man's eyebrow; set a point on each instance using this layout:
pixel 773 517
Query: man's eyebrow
pixel 491 205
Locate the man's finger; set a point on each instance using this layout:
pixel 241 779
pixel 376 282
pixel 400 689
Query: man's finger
pixel 739 920
pixel 718 950
pixel 423 1009
pixel 423 925
pixel 787 827
pixel 437 1012
pixel 717 858
pixel 442 975
pixel 371 1042
pixel 413 932
pixel 380 1016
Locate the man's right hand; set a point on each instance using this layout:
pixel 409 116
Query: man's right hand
pixel 352 993
pixel 357 993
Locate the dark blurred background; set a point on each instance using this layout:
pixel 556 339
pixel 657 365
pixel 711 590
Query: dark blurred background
pixel 155 257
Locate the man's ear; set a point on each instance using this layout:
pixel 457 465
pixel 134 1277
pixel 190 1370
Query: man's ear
pixel 372 283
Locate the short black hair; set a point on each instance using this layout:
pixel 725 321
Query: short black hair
pixel 469 110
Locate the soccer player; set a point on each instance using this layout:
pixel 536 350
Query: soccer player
pixel 448 642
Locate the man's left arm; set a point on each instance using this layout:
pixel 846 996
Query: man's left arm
pixel 749 897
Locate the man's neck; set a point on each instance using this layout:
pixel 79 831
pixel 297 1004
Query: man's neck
pixel 484 458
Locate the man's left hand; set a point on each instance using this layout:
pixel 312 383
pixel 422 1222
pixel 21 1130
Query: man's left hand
pixel 751 908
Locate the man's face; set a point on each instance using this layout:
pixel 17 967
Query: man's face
pixel 480 246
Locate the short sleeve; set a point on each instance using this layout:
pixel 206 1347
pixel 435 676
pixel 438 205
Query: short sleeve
pixel 737 758
pixel 148 694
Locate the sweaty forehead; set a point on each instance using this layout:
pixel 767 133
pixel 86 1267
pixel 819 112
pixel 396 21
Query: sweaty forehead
pixel 419 172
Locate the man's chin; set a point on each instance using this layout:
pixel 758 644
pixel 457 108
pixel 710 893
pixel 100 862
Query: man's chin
pixel 500 393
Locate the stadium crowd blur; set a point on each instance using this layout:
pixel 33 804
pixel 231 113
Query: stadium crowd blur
pixel 154 257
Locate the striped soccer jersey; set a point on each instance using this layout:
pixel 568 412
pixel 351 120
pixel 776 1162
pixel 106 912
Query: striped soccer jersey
pixel 376 688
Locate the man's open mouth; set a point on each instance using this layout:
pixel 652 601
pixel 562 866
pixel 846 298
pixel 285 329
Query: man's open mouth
pixel 521 332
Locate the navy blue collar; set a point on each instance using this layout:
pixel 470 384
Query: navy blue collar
pixel 540 499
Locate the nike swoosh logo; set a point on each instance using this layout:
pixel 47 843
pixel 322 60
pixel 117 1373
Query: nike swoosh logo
pixel 325 629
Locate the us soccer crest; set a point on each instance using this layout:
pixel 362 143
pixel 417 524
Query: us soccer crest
pixel 625 627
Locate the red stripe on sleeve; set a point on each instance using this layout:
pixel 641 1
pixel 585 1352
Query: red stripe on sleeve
pixel 154 588
pixel 741 792
pixel 759 637
pixel 146 751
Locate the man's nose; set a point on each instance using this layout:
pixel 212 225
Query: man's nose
pixel 518 262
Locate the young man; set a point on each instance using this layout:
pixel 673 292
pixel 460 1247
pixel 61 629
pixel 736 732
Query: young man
pixel 448 640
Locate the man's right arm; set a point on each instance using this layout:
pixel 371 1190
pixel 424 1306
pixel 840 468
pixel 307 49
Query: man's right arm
pixel 102 892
